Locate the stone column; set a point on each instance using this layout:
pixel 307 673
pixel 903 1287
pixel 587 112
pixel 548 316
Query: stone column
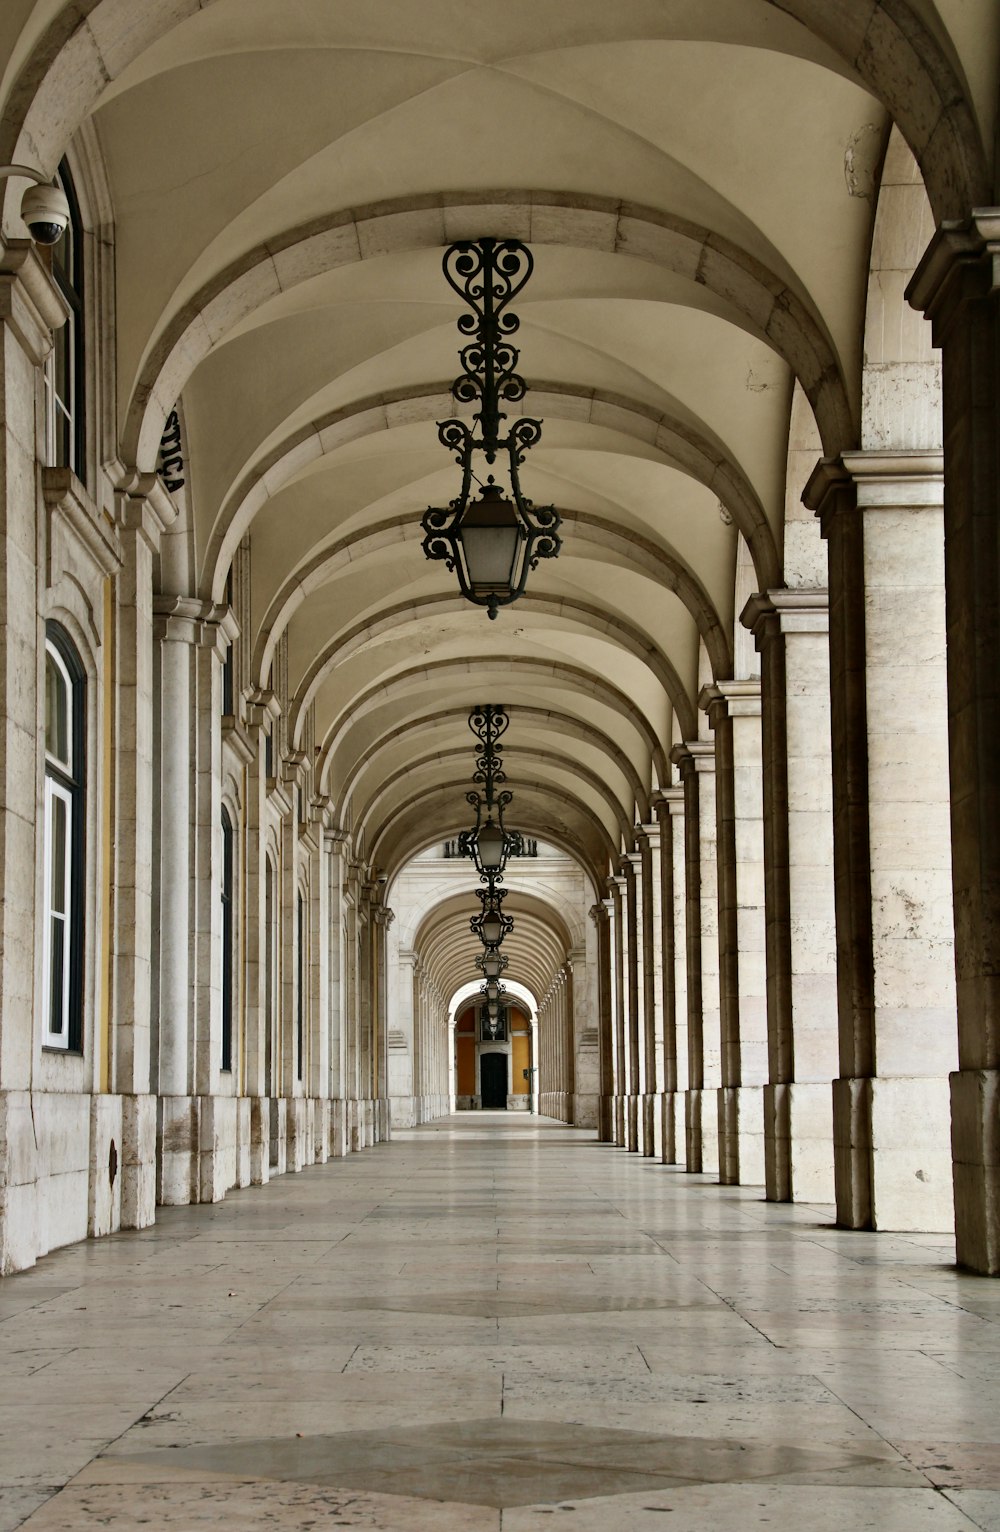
pixel 600 914
pixel 144 511
pixel 192 638
pixel 790 628
pixel 618 964
pixel 956 285
pixel 696 762
pixel 647 863
pixel 630 998
pixel 632 866
pixel 734 713
pixel 881 513
pixel 670 807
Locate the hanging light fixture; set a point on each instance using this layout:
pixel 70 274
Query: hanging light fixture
pixel 491 925
pixel 491 962
pixel 491 542
pixel 488 843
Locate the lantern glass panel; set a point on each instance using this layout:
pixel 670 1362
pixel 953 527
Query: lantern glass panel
pixel 491 537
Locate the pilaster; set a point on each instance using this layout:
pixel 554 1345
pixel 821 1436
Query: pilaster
pixel 957 285
pixel 695 760
pixel 881 513
pixel 791 630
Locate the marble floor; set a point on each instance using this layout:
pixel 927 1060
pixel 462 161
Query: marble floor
pixel 496 1324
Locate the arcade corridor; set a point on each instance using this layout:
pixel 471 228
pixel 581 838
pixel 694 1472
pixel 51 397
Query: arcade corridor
pixel 488 1323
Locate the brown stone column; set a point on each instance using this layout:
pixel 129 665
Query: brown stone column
pixel 601 917
pixel 881 514
pixel 648 839
pixel 618 948
pixel 734 714
pixel 670 808
pixel 791 632
pixel 956 285
pixel 696 763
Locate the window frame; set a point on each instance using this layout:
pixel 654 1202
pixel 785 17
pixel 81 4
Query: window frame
pixel 65 783
pixel 65 420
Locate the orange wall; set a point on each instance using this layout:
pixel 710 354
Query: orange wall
pixel 465 1065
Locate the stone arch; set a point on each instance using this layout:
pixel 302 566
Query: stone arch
pixel 630 638
pixel 901 377
pixel 765 301
pixel 570 677
pixel 693 453
pixel 567 726
pixel 885 42
pixel 539 790
pixel 551 757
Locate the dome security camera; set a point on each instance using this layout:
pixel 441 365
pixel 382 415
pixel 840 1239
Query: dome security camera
pixel 46 212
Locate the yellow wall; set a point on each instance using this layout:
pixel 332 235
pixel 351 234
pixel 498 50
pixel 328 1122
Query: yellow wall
pixel 520 1059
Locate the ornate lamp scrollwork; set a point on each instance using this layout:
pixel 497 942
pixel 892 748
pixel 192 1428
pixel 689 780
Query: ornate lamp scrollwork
pixel 494 541
pixel 489 843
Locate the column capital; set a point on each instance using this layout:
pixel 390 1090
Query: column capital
pixel 142 504
pixel 650 833
pixel 893 478
pixel 669 801
pixel 262 707
pixel 830 492
pixel 31 304
pixel 961 262
pixel 694 755
pixel 768 614
pixel 599 912
pixel 735 699
pixel 203 624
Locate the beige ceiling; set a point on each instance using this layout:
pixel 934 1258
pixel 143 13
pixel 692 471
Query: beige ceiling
pixel 283 180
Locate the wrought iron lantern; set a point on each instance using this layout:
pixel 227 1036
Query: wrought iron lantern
pixel 491 925
pixel 494 541
pixel 489 843
pixel 491 962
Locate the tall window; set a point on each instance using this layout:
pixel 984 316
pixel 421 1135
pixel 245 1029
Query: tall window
pixel 64 372
pixel 62 989
pixel 229 663
pixel 300 955
pixel 227 941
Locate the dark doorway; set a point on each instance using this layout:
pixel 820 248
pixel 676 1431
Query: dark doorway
pixel 493 1079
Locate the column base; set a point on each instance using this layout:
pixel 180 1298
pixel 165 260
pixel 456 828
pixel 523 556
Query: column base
pixel 177 1150
pixel 632 1124
pixel 798 1142
pixel 741 1135
pixel 278 1145
pixel 975 1135
pixel 620 1121
pixel 260 1140
pixel 701 1132
pixel 606 1119
pixel 891 1154
pixel 338 1130
pixel 672 1120
pixel 647 1128
pixel 138 1162
pixel 585 1109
